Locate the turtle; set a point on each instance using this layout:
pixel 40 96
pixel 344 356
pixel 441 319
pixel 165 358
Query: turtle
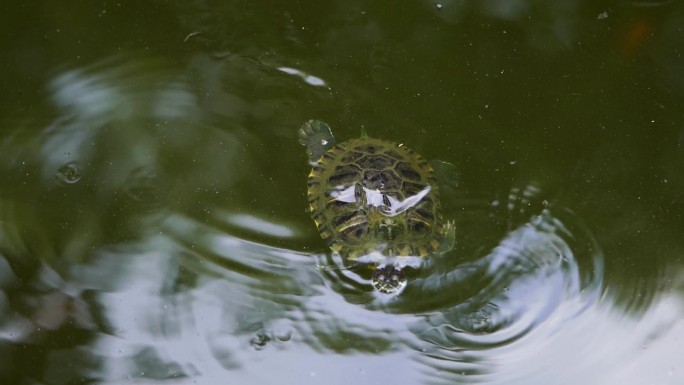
pixel 374 202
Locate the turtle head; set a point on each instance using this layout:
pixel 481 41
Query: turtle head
pixel 389 279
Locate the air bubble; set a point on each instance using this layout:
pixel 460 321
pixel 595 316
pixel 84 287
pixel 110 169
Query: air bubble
pixel 261 339
pixel 69 173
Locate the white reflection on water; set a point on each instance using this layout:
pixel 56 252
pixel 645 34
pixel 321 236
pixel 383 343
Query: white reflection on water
pixel 259 225
pixel 310 79
pixel 257 314
pixel 603 346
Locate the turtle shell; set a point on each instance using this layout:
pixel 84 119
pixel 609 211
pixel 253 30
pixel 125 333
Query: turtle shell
pixel 370 196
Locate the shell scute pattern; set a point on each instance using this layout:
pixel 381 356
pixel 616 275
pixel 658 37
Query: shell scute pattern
pixel 344 174
pixel 354 188
pixel 376 162
pixel 351 156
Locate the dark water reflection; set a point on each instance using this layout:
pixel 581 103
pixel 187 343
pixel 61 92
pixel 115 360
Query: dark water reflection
pixel 152 209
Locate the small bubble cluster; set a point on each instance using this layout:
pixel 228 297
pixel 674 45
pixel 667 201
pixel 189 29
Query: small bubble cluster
pixel 69 174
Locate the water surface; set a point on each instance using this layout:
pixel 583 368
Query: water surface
pixel 153 223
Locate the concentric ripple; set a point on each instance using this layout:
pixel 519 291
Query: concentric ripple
pixel 547 270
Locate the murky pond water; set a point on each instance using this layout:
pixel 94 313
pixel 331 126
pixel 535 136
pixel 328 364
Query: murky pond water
pixel 153 208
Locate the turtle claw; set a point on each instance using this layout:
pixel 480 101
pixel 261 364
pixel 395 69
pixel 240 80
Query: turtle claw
pixel 449 237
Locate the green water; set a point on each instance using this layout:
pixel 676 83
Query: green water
pixel 153 223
